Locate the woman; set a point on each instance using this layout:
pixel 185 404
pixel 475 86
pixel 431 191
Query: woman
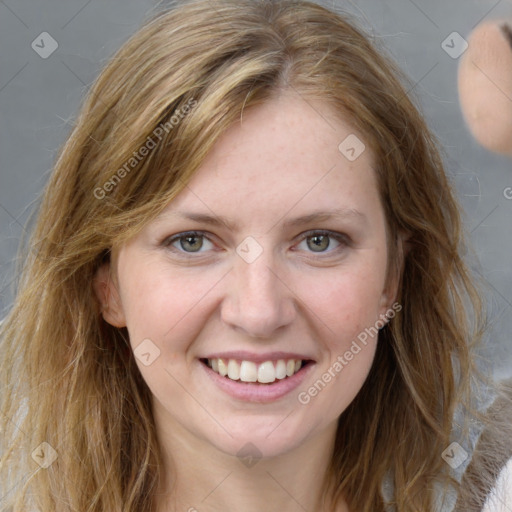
pixel 245 288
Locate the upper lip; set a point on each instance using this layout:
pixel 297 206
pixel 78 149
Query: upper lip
pixel 243 355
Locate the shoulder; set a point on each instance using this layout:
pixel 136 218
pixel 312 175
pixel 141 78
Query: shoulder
pixel 486 484
pixel 500 497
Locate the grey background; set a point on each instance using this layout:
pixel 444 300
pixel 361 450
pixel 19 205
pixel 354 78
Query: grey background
pixel 39 99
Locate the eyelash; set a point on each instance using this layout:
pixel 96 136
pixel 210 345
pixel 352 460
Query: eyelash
pixel 342 239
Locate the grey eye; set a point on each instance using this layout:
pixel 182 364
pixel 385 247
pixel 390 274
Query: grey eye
pixel 191 243
pixel 188 242
pixel 319 243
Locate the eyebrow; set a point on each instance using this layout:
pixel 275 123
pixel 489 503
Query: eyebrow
pixel 315 216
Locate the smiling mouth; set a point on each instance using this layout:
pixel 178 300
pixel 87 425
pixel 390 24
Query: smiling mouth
pixel 267 372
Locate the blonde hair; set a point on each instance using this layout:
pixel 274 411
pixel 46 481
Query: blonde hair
pixel 75 374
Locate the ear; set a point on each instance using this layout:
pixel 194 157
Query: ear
pixel 108 296
pixel 485 85
pixel 390 292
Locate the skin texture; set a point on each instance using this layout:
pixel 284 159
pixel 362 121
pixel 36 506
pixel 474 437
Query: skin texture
pixel 281 162
pixel 485 85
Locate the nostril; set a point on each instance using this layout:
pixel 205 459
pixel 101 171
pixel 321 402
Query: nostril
pixel 507 32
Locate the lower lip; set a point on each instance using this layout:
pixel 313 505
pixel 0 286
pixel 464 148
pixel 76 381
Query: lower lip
pixel 255 391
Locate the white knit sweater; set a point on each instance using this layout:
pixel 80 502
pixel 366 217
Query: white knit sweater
pixel 500 498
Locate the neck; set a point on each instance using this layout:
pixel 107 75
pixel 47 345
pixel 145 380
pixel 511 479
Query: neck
pixel 200 478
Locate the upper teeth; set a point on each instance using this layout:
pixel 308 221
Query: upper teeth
pixel 248 371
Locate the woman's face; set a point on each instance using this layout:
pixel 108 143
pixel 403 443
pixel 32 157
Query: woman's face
pixel 287 262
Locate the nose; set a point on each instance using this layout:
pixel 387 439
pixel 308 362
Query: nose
pixel 258 301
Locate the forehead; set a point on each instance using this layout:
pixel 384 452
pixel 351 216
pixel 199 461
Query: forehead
pixel 289 153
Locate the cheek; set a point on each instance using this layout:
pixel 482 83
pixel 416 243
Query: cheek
pixel 161 305
pixel 165 314
pixel 348 313
pixel 346 300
